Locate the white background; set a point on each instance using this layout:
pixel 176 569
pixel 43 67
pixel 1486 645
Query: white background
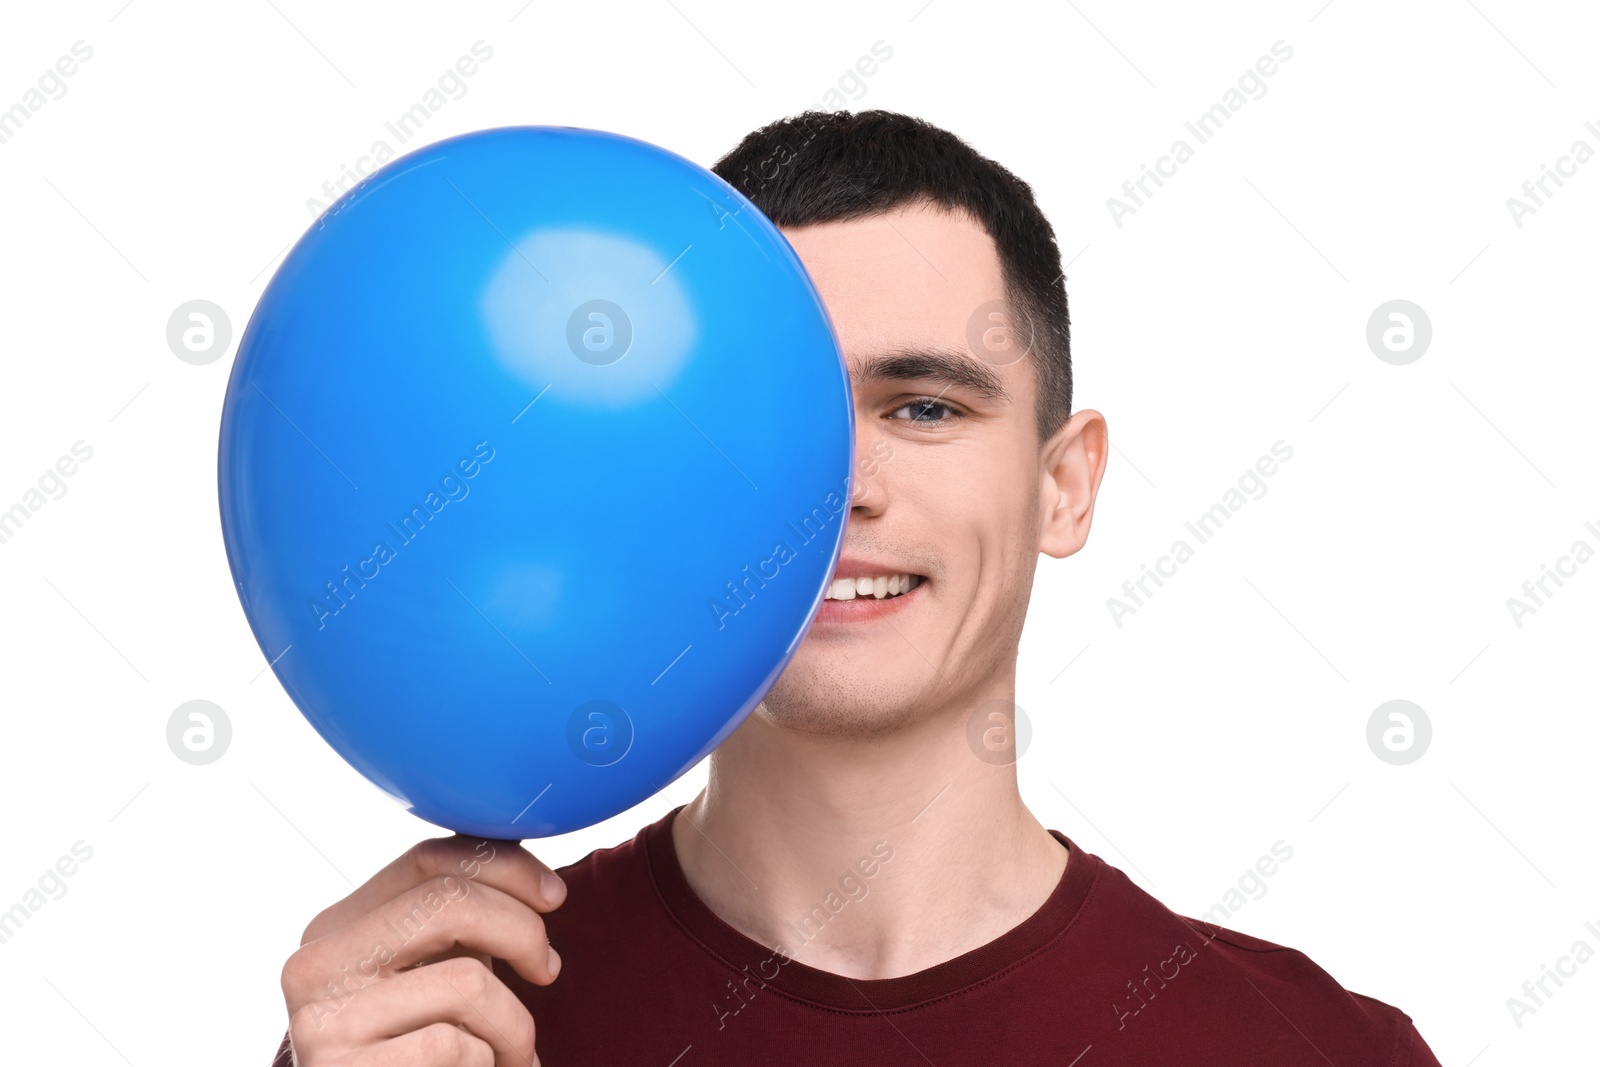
pixel 1228 313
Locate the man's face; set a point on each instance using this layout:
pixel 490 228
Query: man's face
pixel 955 490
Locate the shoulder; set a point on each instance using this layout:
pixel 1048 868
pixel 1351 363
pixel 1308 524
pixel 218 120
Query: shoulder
pixel 613 899
pixel 1268 993
pixel 607 878
pixel 625 859
pixel 1291 984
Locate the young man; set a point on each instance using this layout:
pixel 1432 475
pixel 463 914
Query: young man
pixel 860 881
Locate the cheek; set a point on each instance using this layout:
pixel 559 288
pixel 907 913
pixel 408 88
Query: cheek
pixel 993 533
pixel 963 486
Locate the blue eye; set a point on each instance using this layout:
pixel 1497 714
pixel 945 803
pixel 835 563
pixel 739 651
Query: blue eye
pixel 924 410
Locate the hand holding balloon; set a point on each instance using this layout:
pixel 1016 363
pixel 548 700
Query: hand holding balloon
pixel 433 997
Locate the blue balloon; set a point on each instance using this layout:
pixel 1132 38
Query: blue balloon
pixel 533 470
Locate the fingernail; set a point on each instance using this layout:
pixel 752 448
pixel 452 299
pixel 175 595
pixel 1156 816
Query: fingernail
pixel 555 962
pixel 553 888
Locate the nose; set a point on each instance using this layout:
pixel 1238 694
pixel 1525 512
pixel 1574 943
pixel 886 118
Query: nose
pixel 869 493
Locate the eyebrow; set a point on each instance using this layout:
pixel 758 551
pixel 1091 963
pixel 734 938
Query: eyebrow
pixel 921 363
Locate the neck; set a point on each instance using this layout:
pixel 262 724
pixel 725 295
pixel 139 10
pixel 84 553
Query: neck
pixel 869 859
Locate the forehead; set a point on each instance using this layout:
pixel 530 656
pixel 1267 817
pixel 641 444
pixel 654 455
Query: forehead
pixel 914 275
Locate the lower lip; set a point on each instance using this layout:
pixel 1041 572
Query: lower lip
pixel 865 609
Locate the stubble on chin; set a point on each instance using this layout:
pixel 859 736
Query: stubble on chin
pixel 832 707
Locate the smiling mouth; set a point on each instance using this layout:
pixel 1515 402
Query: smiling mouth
pixel 881 587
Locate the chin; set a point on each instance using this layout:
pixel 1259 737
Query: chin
pixel 840 707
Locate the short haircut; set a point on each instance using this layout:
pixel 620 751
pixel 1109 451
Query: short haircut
pixel 832 166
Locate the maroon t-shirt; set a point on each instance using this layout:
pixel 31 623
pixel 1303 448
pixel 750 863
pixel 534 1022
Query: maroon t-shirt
pixel 1101 974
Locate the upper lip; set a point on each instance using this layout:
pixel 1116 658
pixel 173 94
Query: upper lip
pixel 856 567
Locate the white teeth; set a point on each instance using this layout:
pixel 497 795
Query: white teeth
pixel 879 587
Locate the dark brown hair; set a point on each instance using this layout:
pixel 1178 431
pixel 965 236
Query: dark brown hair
pixel 822 166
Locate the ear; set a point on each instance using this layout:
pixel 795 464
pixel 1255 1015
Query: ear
pixel 1072 464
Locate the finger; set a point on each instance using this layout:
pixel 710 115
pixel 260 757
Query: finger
pixel 423 923
pixel 438 1045
pixel 460 951
pixel 461 991
pixel 505 865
